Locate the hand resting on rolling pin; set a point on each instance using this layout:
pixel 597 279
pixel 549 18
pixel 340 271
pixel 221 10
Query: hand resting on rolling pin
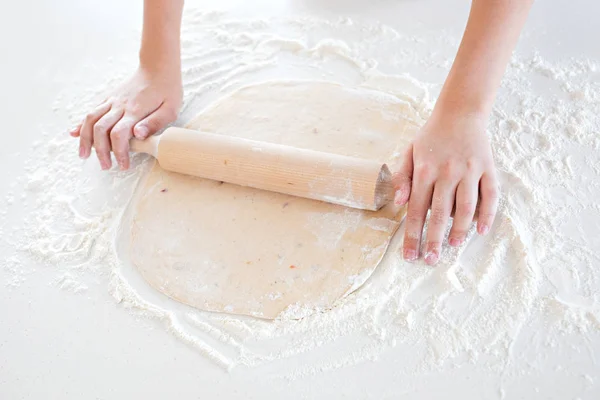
pixel 149 100
pixel 140 107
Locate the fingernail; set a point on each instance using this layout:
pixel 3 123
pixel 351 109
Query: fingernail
pixel 455 242
pixel 140 132
pixel 104 165
pixel 410 255
pixel 397 197
pixel 484 229
pixel 121 163
pixel 81 152
pixel 431 257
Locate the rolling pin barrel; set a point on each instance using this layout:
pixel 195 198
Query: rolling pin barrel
pixel 333 178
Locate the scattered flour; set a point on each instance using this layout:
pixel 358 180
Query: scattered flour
pixel 537 264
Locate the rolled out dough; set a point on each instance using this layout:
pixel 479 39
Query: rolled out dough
pixel 227 248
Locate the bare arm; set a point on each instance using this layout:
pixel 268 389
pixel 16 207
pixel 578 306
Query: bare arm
pixel 490 36
pixel 160 47
pixel 450 164
pixel 148 100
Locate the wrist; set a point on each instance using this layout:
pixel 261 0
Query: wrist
pixel 156 61
pixel 458 107
pixel 467 93
pixel 160 52
pixel 451 119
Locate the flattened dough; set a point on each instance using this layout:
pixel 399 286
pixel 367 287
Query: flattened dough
pixel 227 248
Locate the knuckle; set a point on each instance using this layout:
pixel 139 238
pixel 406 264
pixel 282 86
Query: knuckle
pixel 424 172
pixel 99 128
pixel 458 233
pixel 438 202
pixel 117 133
pixel 152 123
pixel 471 164
pixel 438 217
pixel 414 219
pixel 115 136
pixel 491 193
pixel 410 242
pixel 100 148
pixel 433 245
pixel 88 118
pixel 171 114
pixel 465 208
pixel 487 216
pixel 84 140
pixel 134 108
pixel 118 152
pixel 450 169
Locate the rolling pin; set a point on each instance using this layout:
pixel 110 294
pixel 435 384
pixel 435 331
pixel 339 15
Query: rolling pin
pixel 348 181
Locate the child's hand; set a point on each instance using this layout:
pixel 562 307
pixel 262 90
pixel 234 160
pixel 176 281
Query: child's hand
pixel 448 166
pixel 140 107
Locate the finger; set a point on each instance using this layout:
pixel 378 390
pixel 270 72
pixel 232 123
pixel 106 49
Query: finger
pixel 119 139
pixel 123 130
pixel 466 201
pixel 418 204
pixel 156 121
pixel 101 139
pixel 75 131
pixel 489 194
pixel 86 134
pixel 402 178
pixel 441 207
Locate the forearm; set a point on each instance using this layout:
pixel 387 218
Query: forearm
pixel 492 31
pixel 160 47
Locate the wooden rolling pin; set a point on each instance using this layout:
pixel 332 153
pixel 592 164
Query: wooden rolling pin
pixel 333 178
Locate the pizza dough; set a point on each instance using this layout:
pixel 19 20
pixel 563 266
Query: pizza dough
pixel 227 248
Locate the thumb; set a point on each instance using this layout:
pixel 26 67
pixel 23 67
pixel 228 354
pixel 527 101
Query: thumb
pixel 402 178
pixel 154 122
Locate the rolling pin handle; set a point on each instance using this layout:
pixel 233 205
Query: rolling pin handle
pixel 148 145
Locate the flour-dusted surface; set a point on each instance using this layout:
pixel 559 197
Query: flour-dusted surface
pixel 512 315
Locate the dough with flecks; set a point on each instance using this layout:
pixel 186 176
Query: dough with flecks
pixel 227 248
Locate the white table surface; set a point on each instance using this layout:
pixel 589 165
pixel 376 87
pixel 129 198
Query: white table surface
pixel 54 345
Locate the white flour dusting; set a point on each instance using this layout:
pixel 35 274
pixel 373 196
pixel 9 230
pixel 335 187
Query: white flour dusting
pixel 537 264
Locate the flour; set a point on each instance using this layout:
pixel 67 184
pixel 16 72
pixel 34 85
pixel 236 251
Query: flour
pixel 537 263
pixel 340 224
pixel 70 283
